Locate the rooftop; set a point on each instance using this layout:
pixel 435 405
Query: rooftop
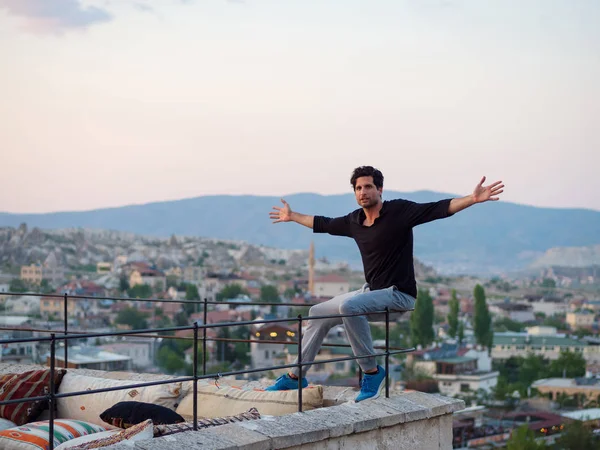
pixel 523 339
pixel 584 414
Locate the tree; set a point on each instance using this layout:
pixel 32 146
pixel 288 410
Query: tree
pixel 532 368
pixel 524 439
pixel 506 324
pixel 123 283
pixel 482 320
pixel 191 293
pixel 571 364
pixel 269 294
pixel 577 436
pixel 17 285
pixel 548 283
pixel 453 315
pixel 170 360
pixel 181 319
pixel 231 291
pixel 421 320
pixel 45 287
pixel 132 317
pixel 140 291
pixel 172 281
pixel 460 334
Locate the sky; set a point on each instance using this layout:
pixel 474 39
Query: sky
pixel 115 102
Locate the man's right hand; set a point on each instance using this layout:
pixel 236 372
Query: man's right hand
pixel 281 214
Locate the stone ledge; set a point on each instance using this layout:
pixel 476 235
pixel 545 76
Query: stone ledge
pixel 312 427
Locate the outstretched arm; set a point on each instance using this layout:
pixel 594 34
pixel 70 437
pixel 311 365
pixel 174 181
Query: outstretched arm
pixel 286 214
pixel 481 194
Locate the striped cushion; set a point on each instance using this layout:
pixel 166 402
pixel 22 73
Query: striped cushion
pixel 140 432
pixel 34 436
pixel 34 383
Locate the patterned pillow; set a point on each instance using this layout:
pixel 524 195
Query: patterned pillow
pixel 34 383
pixel 139 432
pixel 127 414
pixel 34 436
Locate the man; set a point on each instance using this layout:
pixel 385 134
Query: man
pixel 383 233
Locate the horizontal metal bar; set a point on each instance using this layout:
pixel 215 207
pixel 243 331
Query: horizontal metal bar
pixel 155 300
pixel 189 327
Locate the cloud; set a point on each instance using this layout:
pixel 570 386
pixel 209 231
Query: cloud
pixel 55 15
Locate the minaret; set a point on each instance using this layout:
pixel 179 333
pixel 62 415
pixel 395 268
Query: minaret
pixel 311 269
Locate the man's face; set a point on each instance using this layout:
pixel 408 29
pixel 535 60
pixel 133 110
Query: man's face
pixel 367 195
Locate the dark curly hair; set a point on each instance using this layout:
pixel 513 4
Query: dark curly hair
pixel 367 171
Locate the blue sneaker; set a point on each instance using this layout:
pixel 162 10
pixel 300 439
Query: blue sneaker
pixel 371 385
pixel 286 383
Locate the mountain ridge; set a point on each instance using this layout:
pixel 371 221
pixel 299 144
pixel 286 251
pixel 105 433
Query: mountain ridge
pixel 489 238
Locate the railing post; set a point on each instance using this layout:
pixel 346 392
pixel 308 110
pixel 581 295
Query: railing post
pixel 51 399
pixel 360 375
pixel 66 327
pixel 299 362
pixel 387 352
pixel 204 336
pixel 195 372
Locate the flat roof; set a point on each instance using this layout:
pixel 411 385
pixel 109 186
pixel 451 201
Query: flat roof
pixel 584 414
pixel 551 341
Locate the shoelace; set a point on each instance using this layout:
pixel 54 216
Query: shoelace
pixel 364 383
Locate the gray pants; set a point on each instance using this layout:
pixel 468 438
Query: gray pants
pixel 357 327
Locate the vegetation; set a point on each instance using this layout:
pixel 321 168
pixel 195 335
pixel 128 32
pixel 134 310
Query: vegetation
pixel 421 320
pixel 132 317
pixel 231 291
pixel 482 320
pixel 453 315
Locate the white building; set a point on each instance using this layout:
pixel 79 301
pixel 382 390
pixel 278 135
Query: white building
pixel 521 344
pixel 457 371
pixel 265 354
pixel 518 312
pixel 580 319
pixel 331 285
pixel 549 306
pixel 140 353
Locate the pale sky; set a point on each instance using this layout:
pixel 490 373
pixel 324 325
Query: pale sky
pixel 114 102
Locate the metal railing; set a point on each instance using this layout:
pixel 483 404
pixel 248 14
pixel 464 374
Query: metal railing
pixel 66 336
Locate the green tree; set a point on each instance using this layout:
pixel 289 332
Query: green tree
pixel 191 293
pixel 231 291
pixel 548 283
pixel 132 317
pixel 571 364
pixel 17 285
pixel 482 320
pixel 556 321
pixel 45 287
pixel 421 320
pixel 169 360
pixel 269 294
pixel 123 283
pixel 453 315
pixel 172 281
pixel 577 436
pixel 524 439
pixel 532 368
pixel 506 324
pixel 140 291
pixel 460 334
pixel 181 319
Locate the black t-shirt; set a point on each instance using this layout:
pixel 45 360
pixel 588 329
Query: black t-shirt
pixel 386 247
